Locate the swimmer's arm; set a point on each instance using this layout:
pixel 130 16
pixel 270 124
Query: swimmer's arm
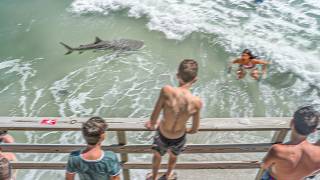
pixel 195 121
pixel 236 61
pixel 264 64
pixel 231 63
pixel 156 111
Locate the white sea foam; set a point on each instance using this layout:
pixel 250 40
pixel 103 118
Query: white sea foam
pixel 285 32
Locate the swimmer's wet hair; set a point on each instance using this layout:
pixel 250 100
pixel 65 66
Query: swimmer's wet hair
pixel 92 130
pixel 5 169
pixel 306 120
pixel 249 52
pixel 188 70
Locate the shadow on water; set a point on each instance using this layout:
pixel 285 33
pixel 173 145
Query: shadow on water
pixel 281 80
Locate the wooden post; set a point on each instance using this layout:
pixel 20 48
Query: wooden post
pixel 122 140
pixel 278 137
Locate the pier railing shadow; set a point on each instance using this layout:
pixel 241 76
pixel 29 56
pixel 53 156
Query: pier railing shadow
pixel 280 126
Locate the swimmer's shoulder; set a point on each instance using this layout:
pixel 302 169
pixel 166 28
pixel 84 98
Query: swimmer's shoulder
pixel 259 61
pixel 237 61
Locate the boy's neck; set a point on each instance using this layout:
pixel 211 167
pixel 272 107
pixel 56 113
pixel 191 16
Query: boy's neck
pixel 92 148
pixel 92 152
pixel 296 138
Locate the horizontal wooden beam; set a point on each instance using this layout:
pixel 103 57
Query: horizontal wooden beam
pixel 199 148
pixel 137 124
pixel 200 165
pixel 133 165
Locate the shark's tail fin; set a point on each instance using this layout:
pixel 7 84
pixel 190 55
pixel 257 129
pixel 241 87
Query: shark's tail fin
pixel 70 49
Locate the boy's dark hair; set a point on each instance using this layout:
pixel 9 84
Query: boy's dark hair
pixel 306 120
pixel 92 130
pixel 5 169
pixel 3 132
pixel 188 70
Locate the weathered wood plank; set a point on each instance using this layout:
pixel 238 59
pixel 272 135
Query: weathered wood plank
pixel 200 165
pixel 132 148
pixel 137 124
pixel 135 165
pixel 122 140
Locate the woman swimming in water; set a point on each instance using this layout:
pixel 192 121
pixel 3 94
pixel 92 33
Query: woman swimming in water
pixel 248 61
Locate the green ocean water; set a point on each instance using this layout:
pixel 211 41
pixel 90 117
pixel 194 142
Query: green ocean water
pixel 38 80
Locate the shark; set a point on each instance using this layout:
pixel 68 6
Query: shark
pixel 98 44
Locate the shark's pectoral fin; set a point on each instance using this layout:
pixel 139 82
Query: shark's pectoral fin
pixel 80 52
pixel 70 49
pixel 69 52
pixel 97 40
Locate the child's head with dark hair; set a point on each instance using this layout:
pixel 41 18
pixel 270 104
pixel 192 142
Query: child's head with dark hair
pixel 249 53
pixel 93 129
pixel 188 70
pixel 306 120
pixel 5 169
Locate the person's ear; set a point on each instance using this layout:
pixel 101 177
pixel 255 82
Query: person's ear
pixel 103 136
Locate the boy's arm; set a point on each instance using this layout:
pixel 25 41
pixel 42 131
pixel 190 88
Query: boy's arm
pixel 70 176
pixel 115 177
pixel 269 159
pixel 156 111
pixel 195 120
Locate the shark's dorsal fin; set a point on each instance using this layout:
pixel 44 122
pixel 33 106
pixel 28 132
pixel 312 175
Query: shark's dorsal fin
pixel 97 40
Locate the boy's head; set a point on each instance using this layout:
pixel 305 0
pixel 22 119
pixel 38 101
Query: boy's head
pixel 305 120
pixel 188 70
pixel 3 132
pixel 5 169
pixel 93 130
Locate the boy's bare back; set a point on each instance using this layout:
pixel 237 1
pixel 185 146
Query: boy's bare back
pixel 295 161
pixel 178 106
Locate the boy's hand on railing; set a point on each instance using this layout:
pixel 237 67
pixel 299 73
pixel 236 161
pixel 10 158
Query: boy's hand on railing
pixel 149 125
pixel 190 131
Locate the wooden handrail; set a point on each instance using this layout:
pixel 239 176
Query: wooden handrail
pixel 137 124
pixel 141 165
pixel 135 148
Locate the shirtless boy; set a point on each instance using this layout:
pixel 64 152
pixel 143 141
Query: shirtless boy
pixel 5 169
pixel 248 62
pixel 178 105
pixel 298 158
pixel 5 137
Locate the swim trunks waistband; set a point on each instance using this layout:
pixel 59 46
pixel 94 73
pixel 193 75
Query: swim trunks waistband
pixel 171 141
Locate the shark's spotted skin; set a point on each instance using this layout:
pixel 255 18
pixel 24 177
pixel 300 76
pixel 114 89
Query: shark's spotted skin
pixel 119 44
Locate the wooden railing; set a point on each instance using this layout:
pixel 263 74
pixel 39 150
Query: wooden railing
pixel 279 124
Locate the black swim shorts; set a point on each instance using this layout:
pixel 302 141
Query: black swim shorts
pixel 161 144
